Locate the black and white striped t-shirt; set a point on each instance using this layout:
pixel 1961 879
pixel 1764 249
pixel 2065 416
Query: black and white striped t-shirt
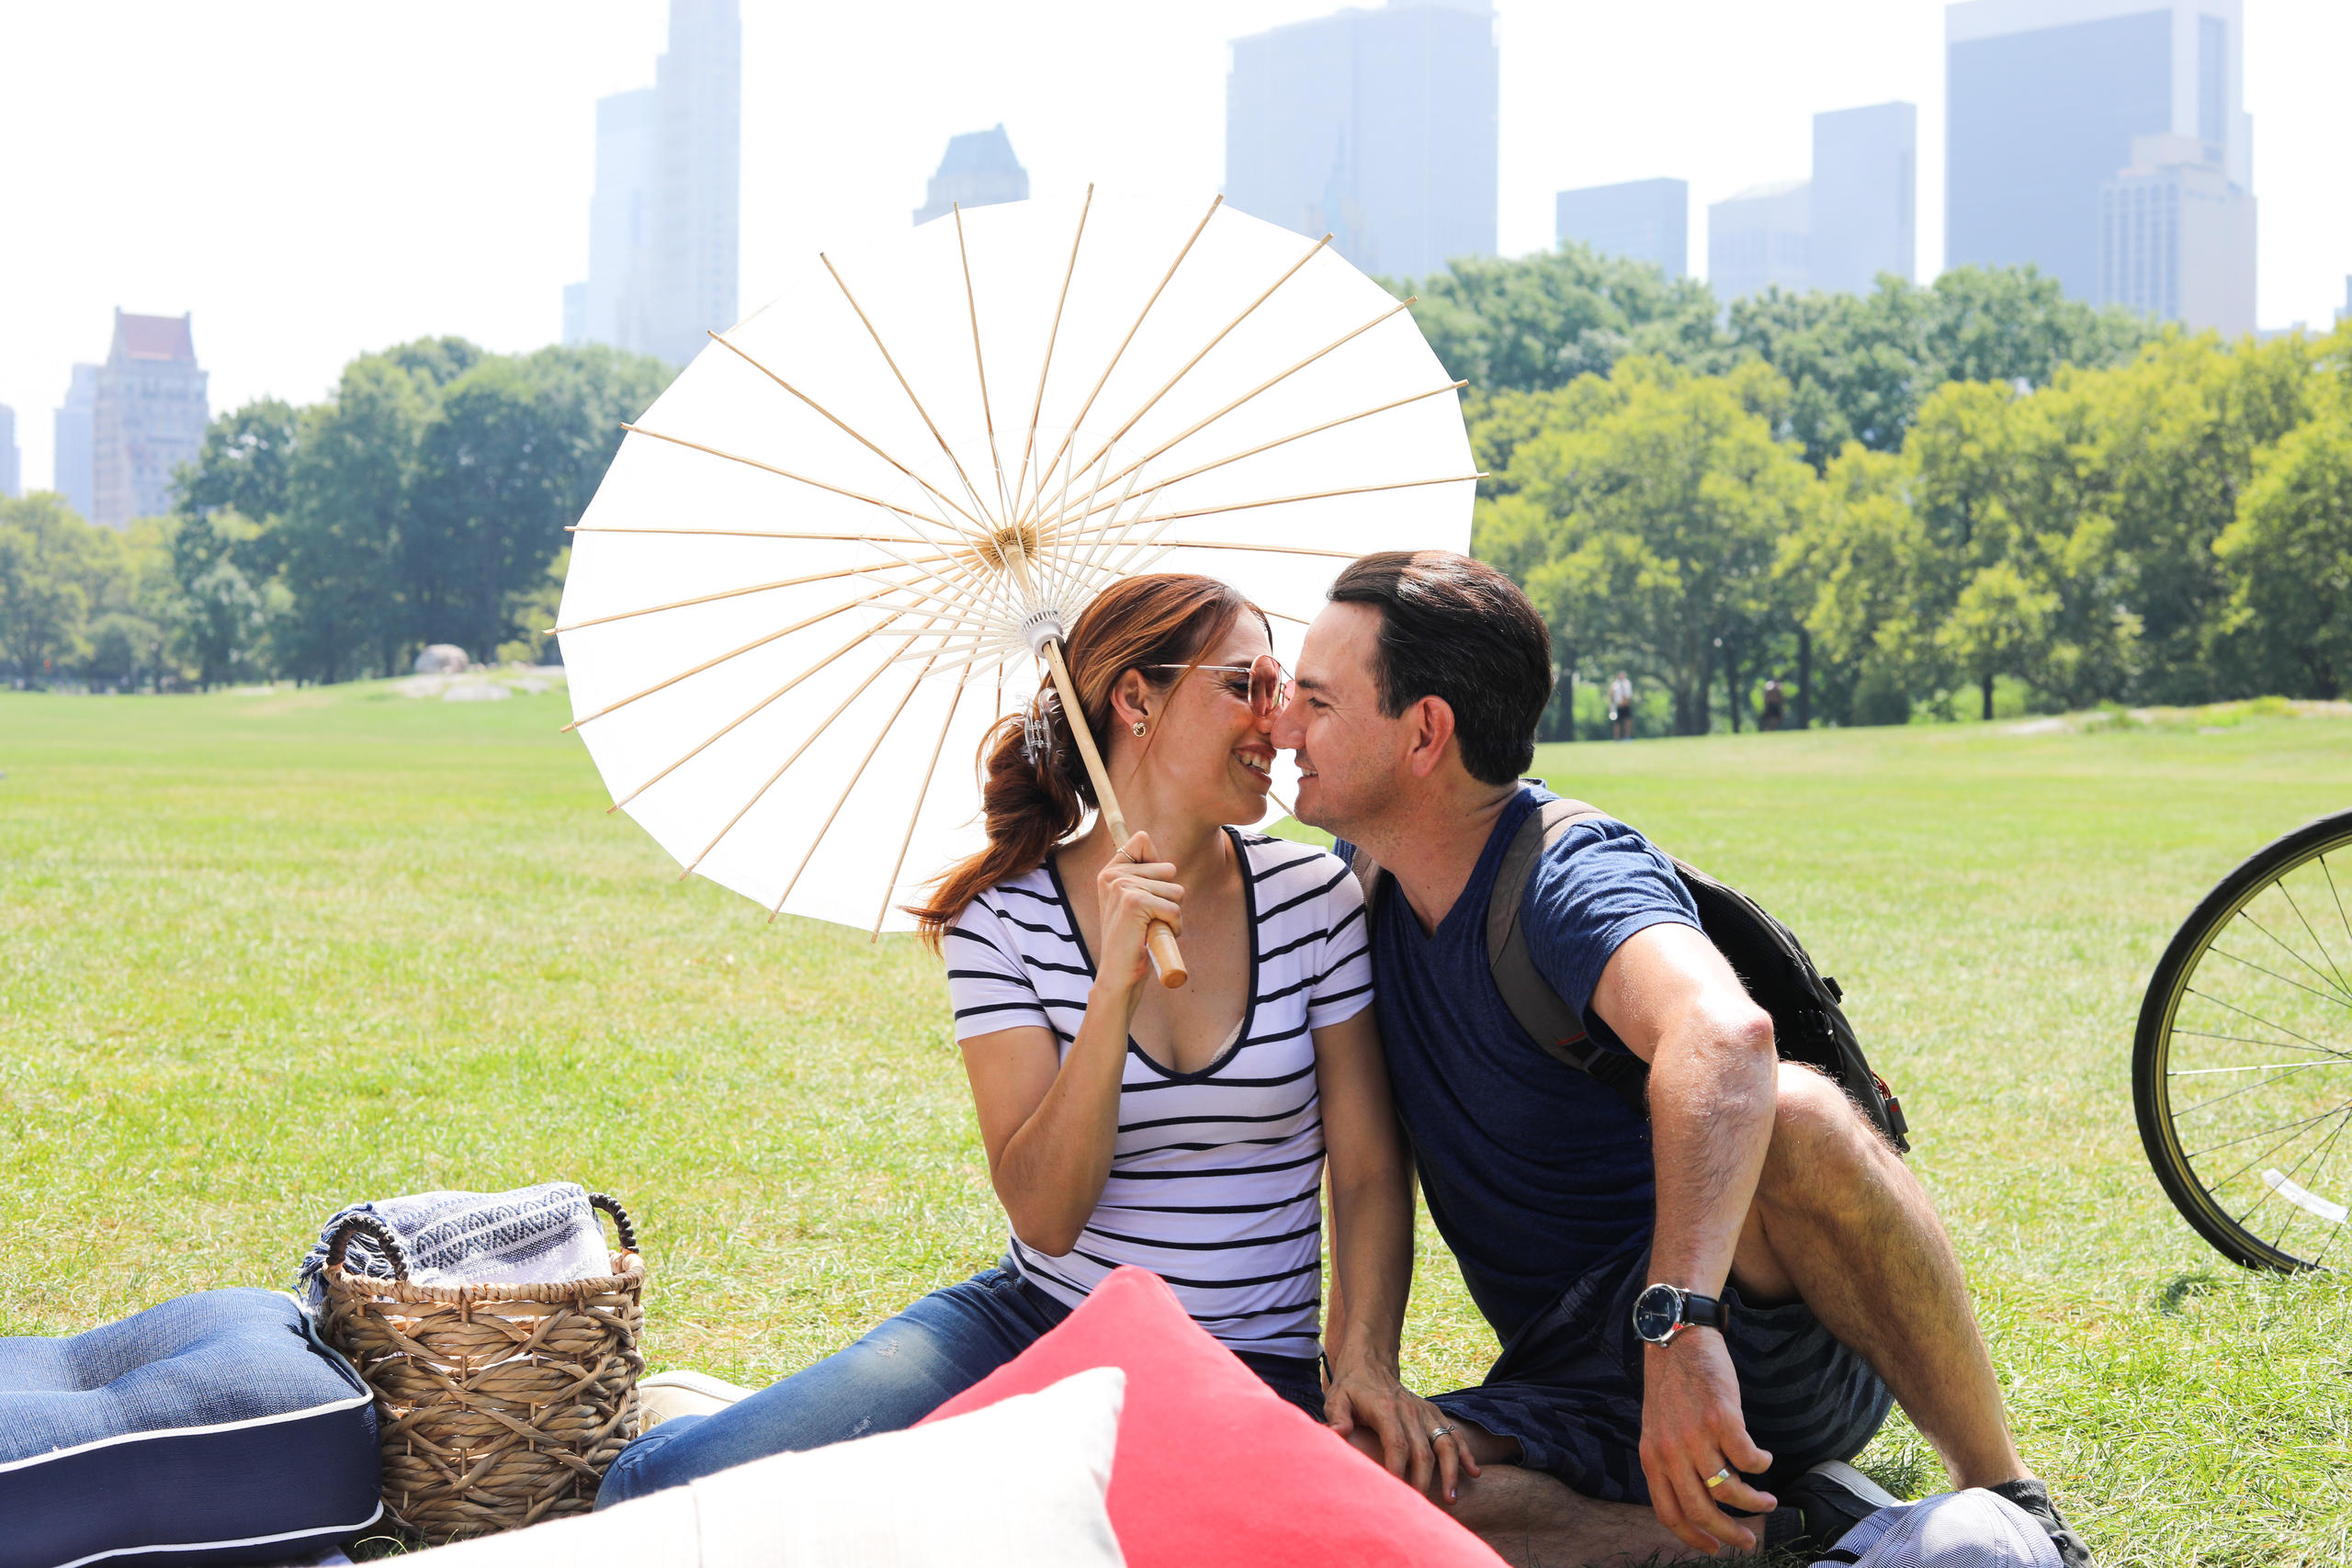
pixel 1216 1179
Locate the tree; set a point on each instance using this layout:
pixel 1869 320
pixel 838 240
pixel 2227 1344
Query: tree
pixel 2167 445
pixel 53 568
pixel 508 461
pixel 1863 583
pixel 1998 625
pixel 244 462
pixel 2288 558
pixel 1536 322
pixel 226 606
pixel 1653 500
pixel 41 614
pixel 1861 365
pixel 348 498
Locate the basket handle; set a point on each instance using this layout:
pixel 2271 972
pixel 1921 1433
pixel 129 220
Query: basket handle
pixel 620 1218
pixel 377 1232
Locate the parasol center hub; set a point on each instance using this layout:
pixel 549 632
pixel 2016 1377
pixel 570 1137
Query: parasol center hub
pixel 1040 627
pixel 1010 547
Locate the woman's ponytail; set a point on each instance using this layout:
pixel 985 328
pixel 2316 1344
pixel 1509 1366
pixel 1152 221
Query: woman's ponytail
pixel 1030 803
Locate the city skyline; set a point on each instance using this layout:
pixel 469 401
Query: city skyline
pixel 386 224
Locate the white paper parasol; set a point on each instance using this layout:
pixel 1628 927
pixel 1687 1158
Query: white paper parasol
pixel 829 556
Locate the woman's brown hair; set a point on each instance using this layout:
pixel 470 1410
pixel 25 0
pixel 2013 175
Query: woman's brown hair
pixel 1032 806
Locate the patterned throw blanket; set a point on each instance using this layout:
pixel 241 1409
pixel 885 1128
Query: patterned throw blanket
pixel 532 1236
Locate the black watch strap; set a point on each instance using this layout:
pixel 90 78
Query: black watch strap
pixel 1705 1312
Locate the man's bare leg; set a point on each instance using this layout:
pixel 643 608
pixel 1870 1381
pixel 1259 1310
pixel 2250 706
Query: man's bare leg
pixel 1533 1521
pixel 1840 1221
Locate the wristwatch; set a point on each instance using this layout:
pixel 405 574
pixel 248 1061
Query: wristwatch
pixel 1662 1311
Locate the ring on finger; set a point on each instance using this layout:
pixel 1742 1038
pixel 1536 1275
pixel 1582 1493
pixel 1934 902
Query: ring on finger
pixel 1441 1432
pixel 1719 1478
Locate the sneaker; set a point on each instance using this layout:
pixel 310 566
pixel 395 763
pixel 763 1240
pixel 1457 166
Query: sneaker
pixel 1827 1500
pixel 666 1394
pixel 2032 1499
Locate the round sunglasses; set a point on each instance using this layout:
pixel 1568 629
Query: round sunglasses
pixel 1262 683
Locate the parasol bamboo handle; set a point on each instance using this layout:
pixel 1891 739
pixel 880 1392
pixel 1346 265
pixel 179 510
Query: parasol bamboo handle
pixel 1159 940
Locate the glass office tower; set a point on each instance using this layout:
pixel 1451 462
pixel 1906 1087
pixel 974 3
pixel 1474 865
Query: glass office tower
pixel 2045 99
pixel 1376 126
pixel 1646 220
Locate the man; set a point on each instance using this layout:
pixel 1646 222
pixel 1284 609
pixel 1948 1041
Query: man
pixel 1752 1183
pixel 1621 708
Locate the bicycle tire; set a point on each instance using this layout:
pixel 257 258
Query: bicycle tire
pixel 2152 1074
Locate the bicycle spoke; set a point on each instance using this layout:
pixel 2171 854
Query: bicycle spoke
pixel 2313 934
pixel 2265 1083
pixel 2252 1067
pixel 2342 919
pixel 2266 1023
pixel 2293 1131
pixel 2250 1138
pixel 2320 1154
pixel 2336 980
pixel 2284 980
pixel 2267 1044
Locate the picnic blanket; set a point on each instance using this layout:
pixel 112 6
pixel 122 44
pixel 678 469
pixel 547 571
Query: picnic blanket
pixel 530 1235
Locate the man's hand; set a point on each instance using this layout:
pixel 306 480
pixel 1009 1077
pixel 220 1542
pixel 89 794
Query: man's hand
pixel 1379 1415
pixel 1691 1428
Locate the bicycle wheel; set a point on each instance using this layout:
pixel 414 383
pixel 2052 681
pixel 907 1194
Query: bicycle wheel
pixel 2242 1066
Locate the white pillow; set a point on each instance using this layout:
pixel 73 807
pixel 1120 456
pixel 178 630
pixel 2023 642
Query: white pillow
pixel 1018 1485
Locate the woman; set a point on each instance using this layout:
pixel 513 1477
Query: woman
pixel 1185 1131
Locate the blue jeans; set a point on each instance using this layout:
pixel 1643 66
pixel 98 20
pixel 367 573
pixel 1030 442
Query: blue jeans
pixel 907 1368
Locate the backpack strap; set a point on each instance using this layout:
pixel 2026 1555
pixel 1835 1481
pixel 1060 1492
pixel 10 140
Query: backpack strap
pixel 1531 999
pixel 1538 1008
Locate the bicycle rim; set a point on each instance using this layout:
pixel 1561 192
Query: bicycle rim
pixel 2242 1071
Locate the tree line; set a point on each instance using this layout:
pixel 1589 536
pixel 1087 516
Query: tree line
pixel 1902 502
pixel 1913 501
pixel 424 501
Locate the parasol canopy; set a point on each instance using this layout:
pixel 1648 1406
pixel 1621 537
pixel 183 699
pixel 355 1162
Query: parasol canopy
pixel 833 553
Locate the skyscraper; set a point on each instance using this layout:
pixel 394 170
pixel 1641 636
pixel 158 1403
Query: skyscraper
pixel 2044 99
pixel 1759 239
pixel 2177 238
pixel 1376 126
pixel 11 475
pixel 147 418
pixel 1646 220
pixel 615 304
pixel 664 222
pixel 74 467
pixel 1865 183
pixel 979 170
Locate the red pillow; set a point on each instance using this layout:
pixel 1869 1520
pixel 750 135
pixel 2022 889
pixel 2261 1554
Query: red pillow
pixel 1212 1466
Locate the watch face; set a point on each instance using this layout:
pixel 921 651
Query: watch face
pixel 1656 1310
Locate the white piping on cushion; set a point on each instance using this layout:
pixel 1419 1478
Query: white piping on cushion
pixel 225 1545
pixel 309 1332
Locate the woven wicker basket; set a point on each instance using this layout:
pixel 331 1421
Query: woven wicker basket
pixel 499 1406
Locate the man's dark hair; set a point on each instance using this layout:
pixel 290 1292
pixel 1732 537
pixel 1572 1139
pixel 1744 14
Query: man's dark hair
pixel 1456 628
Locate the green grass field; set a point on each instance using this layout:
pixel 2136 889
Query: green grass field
pixel 264 952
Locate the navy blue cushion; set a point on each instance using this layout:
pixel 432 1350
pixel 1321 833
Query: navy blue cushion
pixel 213 1428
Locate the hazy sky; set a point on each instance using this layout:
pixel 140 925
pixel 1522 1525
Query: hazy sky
pixel 315 180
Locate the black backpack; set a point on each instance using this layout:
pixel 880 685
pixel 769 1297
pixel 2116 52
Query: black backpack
pixel 1808 1025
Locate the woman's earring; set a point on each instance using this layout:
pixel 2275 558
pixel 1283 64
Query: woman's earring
pixel 1138 726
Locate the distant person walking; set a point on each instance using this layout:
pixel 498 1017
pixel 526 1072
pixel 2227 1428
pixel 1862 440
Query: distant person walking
pixel 1621 708
pixel 1776 702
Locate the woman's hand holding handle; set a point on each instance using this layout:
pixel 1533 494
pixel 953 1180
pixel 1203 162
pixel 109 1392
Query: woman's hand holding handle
pixel 1134 891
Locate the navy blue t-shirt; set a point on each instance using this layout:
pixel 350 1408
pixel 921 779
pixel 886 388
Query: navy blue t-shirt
pixel 1534 1171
